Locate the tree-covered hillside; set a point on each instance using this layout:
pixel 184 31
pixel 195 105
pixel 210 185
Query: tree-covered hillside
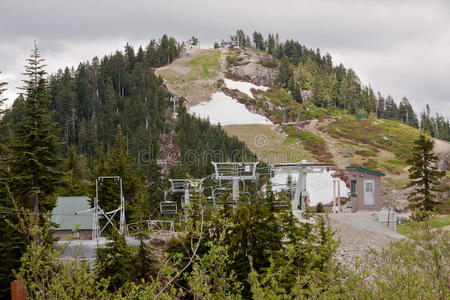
pixel 309 75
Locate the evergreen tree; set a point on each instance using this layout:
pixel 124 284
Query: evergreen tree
pixel 240 38
pixel 255 235
pixel 33 163
pixel 426 123
pixel 406 113
pixel 258 41
pixel 285 71
pixel 11 244
pixel 271 44
pixel 424 175
pixel 319 208
pixel 114 262
pixel 76 172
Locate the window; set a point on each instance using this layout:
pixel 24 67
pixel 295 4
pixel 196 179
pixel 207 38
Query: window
pixel 76 235
pixel 369 186
pixel 354 188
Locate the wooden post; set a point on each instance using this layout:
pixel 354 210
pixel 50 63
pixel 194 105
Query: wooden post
pixel 18 290
pixel 339 195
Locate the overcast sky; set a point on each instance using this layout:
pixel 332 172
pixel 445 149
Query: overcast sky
pixel 400 47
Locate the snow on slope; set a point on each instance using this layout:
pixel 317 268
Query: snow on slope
pixel 244 87
pixel 225 110
pixel 318 185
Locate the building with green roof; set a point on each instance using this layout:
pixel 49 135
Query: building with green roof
pixel 71 213
pixel 365 188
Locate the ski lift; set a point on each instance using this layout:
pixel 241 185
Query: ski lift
pixel 168 207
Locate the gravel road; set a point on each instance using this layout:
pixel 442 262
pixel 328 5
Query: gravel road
pixel 358 232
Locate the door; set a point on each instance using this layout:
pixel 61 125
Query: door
pixel 369 189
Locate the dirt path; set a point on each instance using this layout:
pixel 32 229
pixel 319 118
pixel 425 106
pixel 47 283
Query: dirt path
pixel 339 160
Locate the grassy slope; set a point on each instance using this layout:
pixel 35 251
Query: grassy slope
pixel 436 222
pixel 204 66
pixel 269 144
pixel 194 77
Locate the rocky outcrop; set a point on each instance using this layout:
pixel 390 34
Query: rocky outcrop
pixel 250 67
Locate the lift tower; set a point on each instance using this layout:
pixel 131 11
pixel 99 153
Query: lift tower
pixel 235 172
pixel 302 168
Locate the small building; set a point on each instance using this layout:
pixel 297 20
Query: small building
pixel 71 213
pixel 365 188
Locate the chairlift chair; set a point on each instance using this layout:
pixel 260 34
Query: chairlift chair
pixel 168 207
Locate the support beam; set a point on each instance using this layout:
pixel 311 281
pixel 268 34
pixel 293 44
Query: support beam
pixel 334 196
pixel 339 195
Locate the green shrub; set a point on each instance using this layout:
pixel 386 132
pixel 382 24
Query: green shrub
pixel 270 63
pixel 319 208
pixel 234 60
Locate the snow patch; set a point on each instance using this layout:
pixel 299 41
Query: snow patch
pixel 244 87
pixel 225 110
pixel 318 185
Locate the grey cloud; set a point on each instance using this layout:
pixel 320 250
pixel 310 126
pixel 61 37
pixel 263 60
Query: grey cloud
pixel 400 47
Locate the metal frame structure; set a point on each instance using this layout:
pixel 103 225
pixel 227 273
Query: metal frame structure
pixel 97 229
pixel 302 168
pixel 235 172
pixel 174 100
pixel 160 226
pixel 185 186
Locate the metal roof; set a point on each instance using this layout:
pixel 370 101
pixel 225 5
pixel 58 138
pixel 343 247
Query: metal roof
pixel 66 213
pixel 365 170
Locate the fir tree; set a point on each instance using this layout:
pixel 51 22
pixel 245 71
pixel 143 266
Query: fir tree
pixel 11 244
pixel 424 175
pixel 34 164
pixel 114 262
pixel 285 71
pixel 319 208
pixel 76 173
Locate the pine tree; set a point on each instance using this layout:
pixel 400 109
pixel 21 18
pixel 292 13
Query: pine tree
pixel 319 208
pixel 11 243
pixel 424 175
pixel 114 262
pixel 255 233
pixel 76 173
pixel 34 164
pixel 285 71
